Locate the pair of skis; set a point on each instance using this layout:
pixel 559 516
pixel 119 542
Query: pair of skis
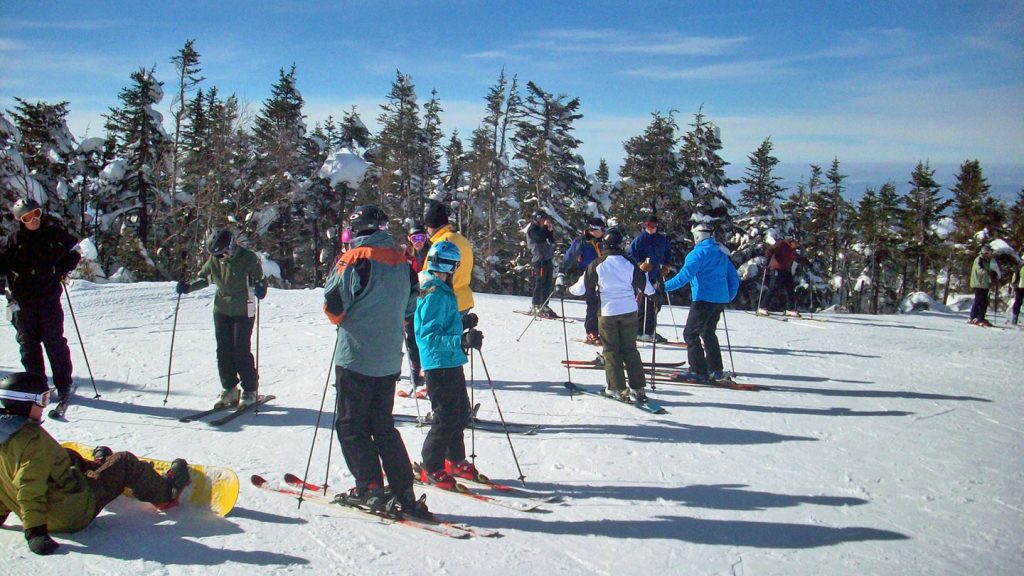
pixel 542 317
pixel 231 415
pixel 665 375
pixel 510 497
pixel 646 405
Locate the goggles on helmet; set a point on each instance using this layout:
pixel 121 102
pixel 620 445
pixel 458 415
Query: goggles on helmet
pixel 37 399
pixel 31 215
pixel 417 238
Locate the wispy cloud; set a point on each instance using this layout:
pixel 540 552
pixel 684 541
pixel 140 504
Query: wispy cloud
pixel 8 44
pixel 631 42
pixel 750 70
pixel 22 24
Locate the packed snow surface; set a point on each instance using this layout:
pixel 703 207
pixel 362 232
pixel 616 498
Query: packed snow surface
pixel 887 445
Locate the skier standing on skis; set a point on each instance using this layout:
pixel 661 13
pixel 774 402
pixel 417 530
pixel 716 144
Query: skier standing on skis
pixel 540 238
pixel 53 489
pixel 617 282
pixel 442 335
pixel 715 282
pixel 416 254
pixel 1018 294
pixel 435 218
pixel 35 263
pixel 581 252
pixel 651 251
pixel 984 272
pixel 783 253
pixel 238 275
pixel 370 295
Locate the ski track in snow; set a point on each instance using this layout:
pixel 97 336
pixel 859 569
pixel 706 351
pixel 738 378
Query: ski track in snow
pixel 887 445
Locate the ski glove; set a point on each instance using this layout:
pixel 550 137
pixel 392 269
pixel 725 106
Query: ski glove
pixel 182 287
pixel 560 280
pixel 39 540
pixel 646 266
pixel 472 339
pixel 469 321
pixel 260 290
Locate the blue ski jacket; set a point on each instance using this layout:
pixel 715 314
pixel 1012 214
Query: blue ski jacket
pixel 438 325
pixel 709 270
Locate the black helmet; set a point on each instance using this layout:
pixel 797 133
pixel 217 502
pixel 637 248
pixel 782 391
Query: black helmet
pixel 416 228
pixel 612 239
pixel 24 206
pixel 539 215
pixel 366 219
pixel 220 242
pixel 649 217
pixel 435 215
pixel 19 391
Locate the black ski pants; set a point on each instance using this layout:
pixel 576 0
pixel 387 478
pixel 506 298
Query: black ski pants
pixel 366 430
pixel 235 362
pixel 702 349
pixel 593 310
pixel 980 305
pixel 450 406
pixel 782 279
pixel 40 324
pixel 414 352
pixel 1018 298
pixel 649 308
pixel 543 281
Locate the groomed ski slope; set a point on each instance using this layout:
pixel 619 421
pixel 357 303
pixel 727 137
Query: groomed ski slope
pixel 888 445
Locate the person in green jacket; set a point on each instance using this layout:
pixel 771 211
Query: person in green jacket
pixel 1018 295
pixel 983 273
pixel 238 275
pixel 52 489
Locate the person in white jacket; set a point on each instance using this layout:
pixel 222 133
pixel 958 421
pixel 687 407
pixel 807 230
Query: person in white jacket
pixel 617 282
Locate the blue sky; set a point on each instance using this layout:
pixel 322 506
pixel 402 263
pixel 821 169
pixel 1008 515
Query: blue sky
pixel 880 83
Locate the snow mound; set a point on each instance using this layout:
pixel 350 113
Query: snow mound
pixel 921 301
pixel 344 166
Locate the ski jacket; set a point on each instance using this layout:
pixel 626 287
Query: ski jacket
pixel 233 276
pixel 438 325
pixel 1020 277
pixel 712 274
pixel 582 251
pixel 369 295
pixel 463 275
pixel 38 482
pixel 783 255
pixel 35 261
pixel 653 246
pixel 981 271
pixel 616 281
pixel 541 243
pixel 417 258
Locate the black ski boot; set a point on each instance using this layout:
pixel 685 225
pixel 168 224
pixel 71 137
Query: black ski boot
pixel 406 504
pixel 372 498
pixel 177 478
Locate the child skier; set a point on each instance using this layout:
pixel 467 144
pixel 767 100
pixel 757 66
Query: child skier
pixel 617 282
pixel 442 335
pixel 53 489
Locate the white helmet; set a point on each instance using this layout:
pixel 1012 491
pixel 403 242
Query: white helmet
pixel 701 231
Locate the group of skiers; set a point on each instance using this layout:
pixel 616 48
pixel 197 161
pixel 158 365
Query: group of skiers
pixel 985 273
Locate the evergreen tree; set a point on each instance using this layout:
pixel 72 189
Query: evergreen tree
pixel 1015 221
pixel 761 219
pixel 924 246
pixel 398 149
pixel 971 225
pixel 603 175
pixel 354 134
pixel 48 150
pixel 186 63
pixel 762 190
pixel 704 173
pixel 876 224
pixel 650 179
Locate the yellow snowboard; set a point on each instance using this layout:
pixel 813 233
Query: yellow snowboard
pixel 213 487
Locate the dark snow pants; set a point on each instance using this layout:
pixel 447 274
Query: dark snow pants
pixel 702 350
pixel 590 323
pixel 40 324
pixel 980 305
pixel 119 471
pixel 450 406
pixel 1018 298
pixel 235 362
pixel 783 279
pixel 621 358
pixel 366 430
pixel 414 352
pixel 542 281
pixel 649 308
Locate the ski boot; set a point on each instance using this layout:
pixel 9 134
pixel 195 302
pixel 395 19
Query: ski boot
pixel 983 323
pixel 639 396
pixel 720 376
pixel 622 395
pixel 548 312
pixel 371 497
pixel 101 453
pixel 228 398
pixel 659 339
pixel 406 504
pixel 762 311
pixel 692 377
pixel 247 399
pixel 793 314
pixel 464 469
pixel 177 478
pixel 440 478
pixel 594 339
pixel 420 393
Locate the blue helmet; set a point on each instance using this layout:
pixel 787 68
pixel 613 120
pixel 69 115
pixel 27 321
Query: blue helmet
pixel 443 257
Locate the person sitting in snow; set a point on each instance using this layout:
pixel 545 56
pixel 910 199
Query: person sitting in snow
pixel 443 335
pixel 617 282
pixel 238 275
pixel 984 272
pixel 581 252
pixel 53 489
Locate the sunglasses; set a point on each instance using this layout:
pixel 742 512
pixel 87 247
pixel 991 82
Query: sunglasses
pixel 38 399
pixel 30 216
pixel 415 238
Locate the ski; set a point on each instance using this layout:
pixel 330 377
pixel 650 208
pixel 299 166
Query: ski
pixel 528 313
pixel 485 482
pixel 58 411
pixel 203 414
pixel 330 494
pixel 648 406
pixel 261 400
pixel 599 363
pixel 479 424
pixel 402 393
pixel 726 383
pixel 463 490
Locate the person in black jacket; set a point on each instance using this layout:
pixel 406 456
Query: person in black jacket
pixel 36 261
pixel 540 238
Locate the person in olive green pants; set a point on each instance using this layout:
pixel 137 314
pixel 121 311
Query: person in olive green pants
pixel 238 275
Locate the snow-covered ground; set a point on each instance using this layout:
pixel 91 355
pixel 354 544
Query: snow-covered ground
pixel 887 445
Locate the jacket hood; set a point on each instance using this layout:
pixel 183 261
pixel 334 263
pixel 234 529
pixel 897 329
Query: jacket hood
pixel 378 238
pixel 9 426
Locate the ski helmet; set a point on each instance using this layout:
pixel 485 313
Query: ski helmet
pixel 539 215
pixel 220 242
pixel 701 231
pixel 986 250
pixel 24 206
pixel 612 239
pixel 416 228
pixel 367 219
pixel 436 214
pixel 443 257
pixel 649 217
pixel 19 391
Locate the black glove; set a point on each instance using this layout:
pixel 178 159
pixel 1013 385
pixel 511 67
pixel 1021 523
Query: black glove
pixel 469 321
pixel 4 518
pixel 181 287
pixel 260 290
pixel 39 540
pixel 472 339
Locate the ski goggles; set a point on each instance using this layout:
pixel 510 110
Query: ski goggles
pixel 417 238
pixel 595 227
pixel 31 215
pixel 37 399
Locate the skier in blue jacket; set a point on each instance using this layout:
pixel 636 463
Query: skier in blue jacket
pixel 714 283
pixel 651 252
pixel 443 335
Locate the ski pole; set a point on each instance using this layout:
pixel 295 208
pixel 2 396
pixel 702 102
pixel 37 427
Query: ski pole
pixel 522 477
pixel 654 343
pixel 534 317
pixel 760 290
pixel 257 410
pixel 565 340
pixel 80 342
pixel 316 427
pixel 672 313
pixel 472 414
pixel 728 343
pixel 170 355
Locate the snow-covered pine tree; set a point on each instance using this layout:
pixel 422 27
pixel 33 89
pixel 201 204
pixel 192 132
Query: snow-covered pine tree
pixel 186 64
pixel 762 218
pixel 828 230
pixel 704 174
pixel 48 150
pixel 431 151
pixel 1015 223
pixel 454 178
pixel 798 210
pixel 924 246
pixel 132 203
pixel 650 180
pixel 15 180
pixel 397 151
pixel 354 134
pixel 876 224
